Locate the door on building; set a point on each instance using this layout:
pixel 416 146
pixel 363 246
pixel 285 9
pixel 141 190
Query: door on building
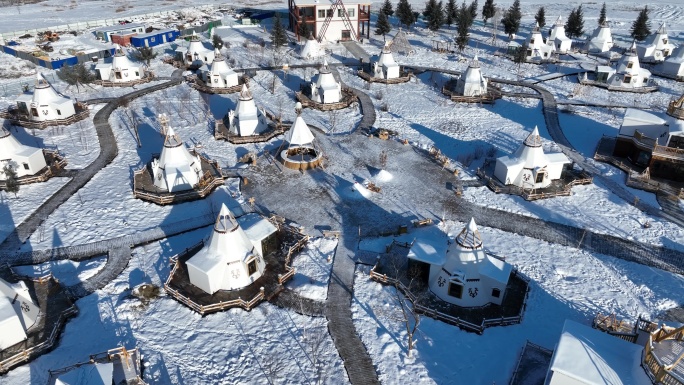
pixel 346 35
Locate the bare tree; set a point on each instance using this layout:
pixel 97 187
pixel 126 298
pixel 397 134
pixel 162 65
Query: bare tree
pixel 274 366
pixel 383 159
pixel 314 341
pixel 332 120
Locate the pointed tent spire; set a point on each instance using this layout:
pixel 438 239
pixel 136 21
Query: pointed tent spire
pixel 118 51
pixel 217 55
pixel 245 94
pixel 470 237
pixel 475 63
pixel 325 69
pixel 632 49
pixel 172 139
pixel 536 26
pixel 299 134
pixel 225 221
pixel 40 81
pixel 559 21
pixel 662 30
pixel 533 139
pixel 4 132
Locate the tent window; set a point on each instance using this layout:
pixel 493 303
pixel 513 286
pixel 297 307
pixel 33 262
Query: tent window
pixel 455 290
pixel 676 141
pixel 34 111
pixel 118 75
pixel 496 293
pixel 532 41
pixel 627 79
pixel 252 267
pixel 540 177
pixel 137 73
pixel 59 112
pixel 26 166
pixel 630 65
pixel 664 40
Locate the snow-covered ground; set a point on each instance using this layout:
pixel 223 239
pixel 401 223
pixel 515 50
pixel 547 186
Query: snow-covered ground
pixel 313 267
pixel 566 283
pixel 67 272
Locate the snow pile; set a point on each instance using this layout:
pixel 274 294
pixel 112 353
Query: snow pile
pixel 313 266
pixel 68 272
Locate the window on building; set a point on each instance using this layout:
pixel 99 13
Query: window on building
pixel 630 65
pixel 664 40
pixel 455 290
pixel 34 111
pixel 59 112
pixel 496 293
pixel 350 12
pixel 252 267
pixel 152 39
pixel 117 75
pixel 321 13
pixel 540 177
pixel 26 166
pixel 676 141
pixel 346 35
pixel 532 41
pixel 137 73
pixel 627 79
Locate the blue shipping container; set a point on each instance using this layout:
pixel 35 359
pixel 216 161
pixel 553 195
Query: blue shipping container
pixel 154 38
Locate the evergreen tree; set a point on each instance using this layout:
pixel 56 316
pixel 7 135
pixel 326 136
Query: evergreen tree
pixel 488 10
pixel 429 7
pixel 520 55
pixel 278 35
pixel 382 25
pixel 436 19
pixel 451 12
pixel 387 8
pixel 304 30
pixel 216 41
pixel 540 17
pixel 145 54
pixel 465 20
pixel 602 15
pixel 575 25
pixel 511 19
pixel 473 10
pixel 11 182
pixel 405 13
pixel 76 74
pixel 641 27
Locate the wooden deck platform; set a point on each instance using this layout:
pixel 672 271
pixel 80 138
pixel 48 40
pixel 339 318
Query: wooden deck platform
pixel 348 98
pixel 55 162
pixel 200 85
pixel 278 271
pixel 144 188
pixel 391 268
pixel 640 90
pixel 404 77
pixel 149 76
pixel 55 309
pixel 15 117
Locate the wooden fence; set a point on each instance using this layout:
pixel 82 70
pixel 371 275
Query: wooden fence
pixel 659 372
pixel 348 98
pixel 14 118
pixel 456 321
pixel 149 76
pixel 404 77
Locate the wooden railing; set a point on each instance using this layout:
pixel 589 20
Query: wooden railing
pixel 348 98
pixel 148 77
pixel 456 321
pixel 656 369
pixel 669 152
pixel 27 354
pixel 25 122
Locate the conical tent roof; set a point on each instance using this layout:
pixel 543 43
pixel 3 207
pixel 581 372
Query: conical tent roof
pixel 325 76
pixel 219 65
pixel 177 166
pixel 533 139
pixel 120 60
pixel 299 134
pixel 44 94
pixel 470 237
pixel 229 241
pixel 531 151
pixel 10 146
pixel 386 57
pixel 311 49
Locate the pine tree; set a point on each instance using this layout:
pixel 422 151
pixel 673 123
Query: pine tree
pixel 520 55
pixel 76 74
pixel 429 6
pixel 278 35
pixel 451 12
pixel 216 41
pixel 304 30
pixel 145 54
pixel 488 10
pixel 465 20
pixel 575 25
pixel 11 182
pixel 387 8
pixel 641 27
pixel 602 15
pixel 382 25
pixel 473 10
pixel 405 13
pixel 511 19
pixel 540 17
pixel 436 20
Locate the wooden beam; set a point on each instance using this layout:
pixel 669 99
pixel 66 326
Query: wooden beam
pixel 665 336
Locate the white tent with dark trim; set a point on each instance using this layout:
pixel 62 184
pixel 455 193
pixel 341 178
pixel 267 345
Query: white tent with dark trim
pixel 472 83
pixel 601 40
pixel 325 89
pixel 300 134
pixel 561 42
pixel 386 67
pixel 44 103
pixel 247 119
pixel 18 313
pixel 25 160
pixel 176 169
pixel 121 69
pixel 219 74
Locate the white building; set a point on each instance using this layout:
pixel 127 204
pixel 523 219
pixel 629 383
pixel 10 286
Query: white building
pixel 176 169
pixel 557 36
pixel 386 67
pixel 325 89
pixel 529 167
pixel 95 374
pixel 628 74
pixel 299 135
pixel 45 104
pixel 472 83
pixel 340 28
pixel 116 366
pixel 537 48
pixel 673 66
pixel 247 119
pixel 465 275
pixel 18 313
pixel 25 160
pixel 656 47
pixel 311 49
pixel 586 356
pixel 120 69
pixel 196 54
pixel 232 258
pixel 601 40
pixel 219 74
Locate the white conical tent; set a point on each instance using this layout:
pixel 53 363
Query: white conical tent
pixel 537 49
pixel 220 75
pixel 468 276
pixel 629 73
pixel 120 69
pixel 90 374
pixel 386 67
pixel 247 119
pixel 177 169
pixel 657 46
pixel 299 134
pixel 674 65
pixel 472 83
pixel 311 49
pixel 558 38
pixel 326 89
pixel 45 103
pixel 197 53
pixel 18 313
pixel 529 166
pixel 228 261
pixel 25 160
pixel 601 40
